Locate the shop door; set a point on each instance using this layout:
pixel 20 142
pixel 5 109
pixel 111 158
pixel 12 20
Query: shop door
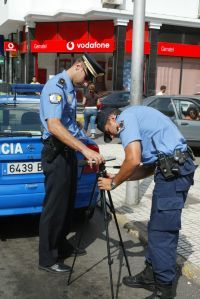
pixel 190 76
pixel 42 76
pixel 168 73
pixel 100 81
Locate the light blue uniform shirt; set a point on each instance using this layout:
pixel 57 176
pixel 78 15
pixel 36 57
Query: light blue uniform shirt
pixel 155 131
pixel 59 101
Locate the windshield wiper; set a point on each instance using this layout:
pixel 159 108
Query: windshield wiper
pixel 13 134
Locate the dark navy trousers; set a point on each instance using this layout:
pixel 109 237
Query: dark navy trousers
pixel 60 189
pixel 168 200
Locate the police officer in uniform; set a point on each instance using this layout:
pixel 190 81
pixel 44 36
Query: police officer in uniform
pixel 60 139
pixel 153 144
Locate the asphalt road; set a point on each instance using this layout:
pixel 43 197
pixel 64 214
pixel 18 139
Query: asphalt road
pixel 21 279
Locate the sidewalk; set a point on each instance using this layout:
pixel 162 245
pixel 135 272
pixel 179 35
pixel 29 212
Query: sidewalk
pixel 135 218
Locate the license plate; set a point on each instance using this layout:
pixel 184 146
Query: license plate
pixel 22 168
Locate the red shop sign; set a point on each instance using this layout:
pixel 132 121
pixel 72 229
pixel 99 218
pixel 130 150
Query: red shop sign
pixel 182 50
pixel 10 47
pixel 48 46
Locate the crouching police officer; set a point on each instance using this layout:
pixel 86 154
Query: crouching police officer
pixel 60 139
pixel 153 144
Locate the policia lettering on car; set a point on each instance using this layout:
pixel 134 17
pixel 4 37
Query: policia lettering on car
pixel 11 148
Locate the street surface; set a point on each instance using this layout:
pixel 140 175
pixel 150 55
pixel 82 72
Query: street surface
pixel 21 279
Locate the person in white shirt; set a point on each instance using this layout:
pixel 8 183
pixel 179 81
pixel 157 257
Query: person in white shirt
pixel 162 90
pixel 34 80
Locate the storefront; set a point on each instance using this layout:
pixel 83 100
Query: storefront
pixel 56 46
pixel 178 67
pixel 53 46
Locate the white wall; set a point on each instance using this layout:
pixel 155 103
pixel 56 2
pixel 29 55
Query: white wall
pixel 14 12
pixel 176 8
pixel 17 10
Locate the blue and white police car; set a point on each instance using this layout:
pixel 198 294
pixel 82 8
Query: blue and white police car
pixel 21 177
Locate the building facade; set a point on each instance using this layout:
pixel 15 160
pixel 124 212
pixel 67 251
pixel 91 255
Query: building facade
pixel 42 38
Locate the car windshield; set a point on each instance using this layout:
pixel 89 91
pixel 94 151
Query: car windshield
pixel 20 119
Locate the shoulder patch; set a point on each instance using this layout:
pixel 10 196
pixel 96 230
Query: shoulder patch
pixel 61 83
pixel 55 98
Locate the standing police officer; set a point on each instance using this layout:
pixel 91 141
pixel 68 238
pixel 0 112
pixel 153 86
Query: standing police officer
pixel 60 138
pixel 153 144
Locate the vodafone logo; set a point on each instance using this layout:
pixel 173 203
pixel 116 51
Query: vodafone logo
pixel 88 45
pixel 70 46
pixel 11 46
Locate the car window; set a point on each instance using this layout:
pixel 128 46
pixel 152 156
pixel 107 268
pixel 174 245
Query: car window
pixel 117 99
pixel 182 106
pixel 20 118
pixel 164 105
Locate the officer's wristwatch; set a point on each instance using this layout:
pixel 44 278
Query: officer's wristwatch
pixel 113 185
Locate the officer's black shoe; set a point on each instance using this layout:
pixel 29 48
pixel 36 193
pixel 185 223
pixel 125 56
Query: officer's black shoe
pixel 56 268
pixel 144 279
pixel 162 291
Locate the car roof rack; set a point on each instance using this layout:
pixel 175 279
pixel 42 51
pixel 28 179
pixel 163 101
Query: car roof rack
pixel 26 88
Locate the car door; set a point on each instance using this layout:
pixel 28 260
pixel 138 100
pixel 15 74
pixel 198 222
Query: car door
pixel 189 128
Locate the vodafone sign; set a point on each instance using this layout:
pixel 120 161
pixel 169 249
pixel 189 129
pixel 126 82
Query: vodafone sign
pixel 72 46
pixel 10 47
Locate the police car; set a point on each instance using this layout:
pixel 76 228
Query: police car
pixel 21 177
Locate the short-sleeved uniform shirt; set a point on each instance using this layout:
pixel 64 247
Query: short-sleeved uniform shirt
pixel 58 100
pixel 155 131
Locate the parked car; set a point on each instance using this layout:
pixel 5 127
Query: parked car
pixel 175 107
pixel 21 177
pixel 114 99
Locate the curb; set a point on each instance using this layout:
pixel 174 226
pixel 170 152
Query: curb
pixel 188 269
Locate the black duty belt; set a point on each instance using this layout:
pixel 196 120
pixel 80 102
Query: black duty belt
pixel 170 165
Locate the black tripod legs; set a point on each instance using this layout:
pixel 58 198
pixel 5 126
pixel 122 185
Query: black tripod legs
pixel 112 209
pixel 110 261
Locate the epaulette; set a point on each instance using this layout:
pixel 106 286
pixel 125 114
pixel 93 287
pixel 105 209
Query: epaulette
pixel 61 82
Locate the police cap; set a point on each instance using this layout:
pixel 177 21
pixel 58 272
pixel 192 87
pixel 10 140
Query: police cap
pixel 95 70
pixel 102 119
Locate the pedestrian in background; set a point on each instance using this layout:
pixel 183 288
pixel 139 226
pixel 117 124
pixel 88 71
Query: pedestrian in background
pixel 60 138
pixel 90 101
pixel 162 90
pixel 34 80
pixel 161 150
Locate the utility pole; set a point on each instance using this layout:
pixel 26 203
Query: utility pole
pixel 132 189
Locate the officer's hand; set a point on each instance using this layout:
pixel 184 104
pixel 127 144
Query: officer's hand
pixel 104 183
pixel 93 157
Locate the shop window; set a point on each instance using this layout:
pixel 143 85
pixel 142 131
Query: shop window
pixel 64 64
pixel 182 35
pixel 164 106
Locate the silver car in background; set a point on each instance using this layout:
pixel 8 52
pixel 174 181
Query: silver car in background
pixel 175 107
